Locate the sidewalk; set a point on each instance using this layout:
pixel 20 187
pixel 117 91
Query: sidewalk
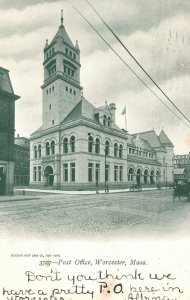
pixel 26 193
pixel 82 192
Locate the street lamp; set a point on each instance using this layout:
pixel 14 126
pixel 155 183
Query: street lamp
pixel 166 175
pixel 105 168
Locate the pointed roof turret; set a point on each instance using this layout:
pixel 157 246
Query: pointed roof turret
pixel 46 44
pixel 164 139
pixel 61 33
pixel 77 46
pixel 61 17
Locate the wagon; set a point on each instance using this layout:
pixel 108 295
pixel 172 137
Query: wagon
pixel 181 188
pixel 135 187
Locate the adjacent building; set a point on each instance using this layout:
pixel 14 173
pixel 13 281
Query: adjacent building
pixel 7 128
pixel 182 166
pixel 22 161
pixel 150 158
pixel 79 146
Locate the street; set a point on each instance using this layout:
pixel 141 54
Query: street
pixel 150 214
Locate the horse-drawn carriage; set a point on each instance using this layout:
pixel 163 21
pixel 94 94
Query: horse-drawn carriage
pixel 181 188
pixel 135 187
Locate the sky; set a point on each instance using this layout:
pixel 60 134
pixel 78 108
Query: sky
pixel 156 32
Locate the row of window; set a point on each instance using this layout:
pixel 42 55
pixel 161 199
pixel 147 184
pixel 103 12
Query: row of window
pixel 37 174
pixel 51 89
pixel 70 90
pixel 52 70
pixel 93 172
pixel 70 53
pixel 140 152
pixel 50 53
pixel 69 174
pixel 139 176
pixel 68 71
pixel 106 120
pixel 95 147
pixel 66 174
pixel 69 145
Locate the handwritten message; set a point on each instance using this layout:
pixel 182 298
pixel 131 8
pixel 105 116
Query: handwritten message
pixel 101 279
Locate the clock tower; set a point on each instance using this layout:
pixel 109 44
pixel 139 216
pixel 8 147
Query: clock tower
pixel 61 87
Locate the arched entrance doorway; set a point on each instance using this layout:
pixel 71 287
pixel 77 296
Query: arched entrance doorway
pixel 152 177
pixel 2 181
pixel 49 175
pixel 139 176
pixel 145 176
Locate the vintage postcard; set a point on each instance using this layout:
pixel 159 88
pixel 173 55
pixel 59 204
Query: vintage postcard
pixel 94 150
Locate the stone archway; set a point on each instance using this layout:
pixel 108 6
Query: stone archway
pixel 49 175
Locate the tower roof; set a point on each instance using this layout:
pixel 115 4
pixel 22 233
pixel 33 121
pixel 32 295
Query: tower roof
pixel 83 109
pixel 152 139
pixel 6 85
pixel 164 139
pixel 63 34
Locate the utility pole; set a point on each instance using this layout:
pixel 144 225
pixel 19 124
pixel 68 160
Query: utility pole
pixel 105 169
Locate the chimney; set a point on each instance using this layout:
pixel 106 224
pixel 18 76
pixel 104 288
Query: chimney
pixel 113 109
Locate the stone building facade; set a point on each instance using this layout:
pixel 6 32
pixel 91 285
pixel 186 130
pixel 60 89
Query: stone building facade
pixel 7 127
pixel 150 158
pixel 79 146
pixel 182 165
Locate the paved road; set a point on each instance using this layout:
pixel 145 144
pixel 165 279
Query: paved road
pixel 139 214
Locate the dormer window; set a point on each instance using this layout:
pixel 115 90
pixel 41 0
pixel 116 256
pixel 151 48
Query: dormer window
pixel 109 121
pixel 97 116
pixel 104 120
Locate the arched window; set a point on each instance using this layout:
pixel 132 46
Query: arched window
pixel 131 174
pixel 115 149
pixel 39 150
pixel 109 121
pixel 158 176
pixel 35 152
pixel 152 177
pixel 120 151
pixel 138 177
pixel 107 148
pixel 145 176
pixel 47 148
pixel 97 146
pixel 65 145
pixel 53 147
pixel 72 142
pixel 90 144
pixel 104 120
